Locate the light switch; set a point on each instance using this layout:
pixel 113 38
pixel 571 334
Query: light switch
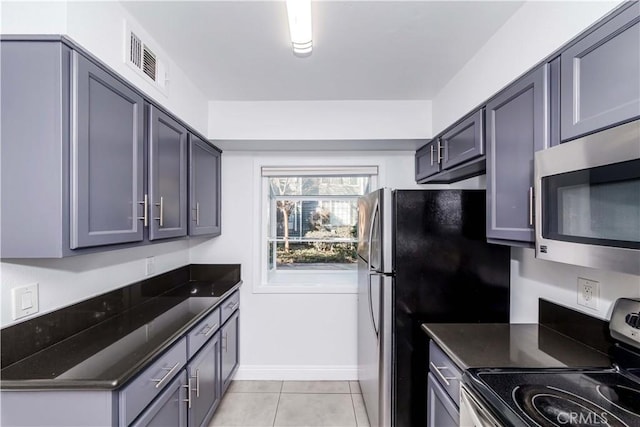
pixel 24 301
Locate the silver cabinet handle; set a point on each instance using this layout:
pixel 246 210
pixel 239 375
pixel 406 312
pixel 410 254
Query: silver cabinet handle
pixel 210 330
pixel 531 206
pixel 224 342
pixel 161 217
pixel 231 306
pixel 431 154
pixel 197 377
pixel 437 370
pixel 197 213
pixel 145 207
pixel 188 399
pixel 167 375
pixel 439 151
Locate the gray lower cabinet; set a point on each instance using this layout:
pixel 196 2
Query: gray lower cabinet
pixel 167 176
pixel 169 408
pixel 107 164
pixel 204 188
pixel 441 410
pixel 230 349
pixel 443 389
pixel 600 86
pixel 204 374
pixel 516 129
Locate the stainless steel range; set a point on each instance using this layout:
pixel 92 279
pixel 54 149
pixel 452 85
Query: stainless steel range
pixel 562 397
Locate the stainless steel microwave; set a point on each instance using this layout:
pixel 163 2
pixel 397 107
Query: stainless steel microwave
pixel 587 200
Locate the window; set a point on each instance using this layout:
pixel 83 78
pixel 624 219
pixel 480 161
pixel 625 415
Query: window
pixel 310 225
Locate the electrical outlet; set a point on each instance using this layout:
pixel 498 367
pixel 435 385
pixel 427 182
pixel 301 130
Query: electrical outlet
pixel 588 293
pixel 150 266
pixel 24 301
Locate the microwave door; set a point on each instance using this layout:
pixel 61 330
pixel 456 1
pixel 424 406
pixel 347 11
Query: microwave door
pixel 587 201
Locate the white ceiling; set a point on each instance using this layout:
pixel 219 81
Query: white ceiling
pixel 362 50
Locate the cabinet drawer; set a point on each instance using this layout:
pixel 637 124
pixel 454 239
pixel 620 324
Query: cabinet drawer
pixel 136 395
pixel 204 330
pixel 230 305
pixel 445 371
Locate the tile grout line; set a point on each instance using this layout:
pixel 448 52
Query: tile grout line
pixel 353 406
pixel 275 415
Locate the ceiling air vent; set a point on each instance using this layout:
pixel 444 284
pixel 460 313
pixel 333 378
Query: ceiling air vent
pixel 142 58
pixel 135 50
pixel 149 66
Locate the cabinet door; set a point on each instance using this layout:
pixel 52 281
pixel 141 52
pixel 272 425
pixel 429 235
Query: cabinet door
pixel 168 409
pixel 204 188
pixel 427 160
pixel 230 349
pixel 167 177
pixel 463 142
pixel 600 84
pixel 204 370
pixel 106 158
pixel 516 128
pixel 441 411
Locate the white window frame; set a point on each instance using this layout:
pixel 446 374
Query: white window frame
pixel 300 281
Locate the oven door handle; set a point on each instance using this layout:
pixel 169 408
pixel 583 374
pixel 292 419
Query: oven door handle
pixel 473 413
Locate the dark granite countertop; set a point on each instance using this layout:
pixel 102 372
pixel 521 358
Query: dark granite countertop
pixel 506 345
pixel 106 354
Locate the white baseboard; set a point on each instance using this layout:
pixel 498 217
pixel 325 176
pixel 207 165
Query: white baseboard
pixel 297 372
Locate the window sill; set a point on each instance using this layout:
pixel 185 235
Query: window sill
pixel 309 282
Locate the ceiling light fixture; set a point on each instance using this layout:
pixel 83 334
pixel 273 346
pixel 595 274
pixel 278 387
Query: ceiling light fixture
pixel 299 12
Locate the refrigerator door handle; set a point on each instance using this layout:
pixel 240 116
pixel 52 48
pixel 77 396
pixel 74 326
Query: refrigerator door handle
pixel 376 328
pixel 374 214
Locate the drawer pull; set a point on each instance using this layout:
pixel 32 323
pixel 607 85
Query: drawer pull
pixel 208 330
pixel 233 306
pixel 197 378
pixel 188 399
pixel 167 375
pixel 437 370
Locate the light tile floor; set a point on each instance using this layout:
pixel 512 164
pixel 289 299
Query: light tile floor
pixel 292 403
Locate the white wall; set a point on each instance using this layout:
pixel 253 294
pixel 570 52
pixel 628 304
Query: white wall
pixel 288 336
pixel 98 27
pixel 285 120
pixel 536 30
pixel 532 278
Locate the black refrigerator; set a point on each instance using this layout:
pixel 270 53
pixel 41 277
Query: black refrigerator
pixel 422 258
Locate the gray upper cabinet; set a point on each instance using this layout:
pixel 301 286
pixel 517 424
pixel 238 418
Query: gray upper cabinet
pixel 516 128
pixel 455 154
pixel 463 142
pixel 107 164
pixel 167 176
pixel 204 188
pixel 600 86
pixel 426 161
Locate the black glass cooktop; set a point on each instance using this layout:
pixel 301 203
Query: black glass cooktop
pixel 561 397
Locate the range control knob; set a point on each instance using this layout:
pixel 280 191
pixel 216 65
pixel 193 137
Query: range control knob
pixel 633 320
